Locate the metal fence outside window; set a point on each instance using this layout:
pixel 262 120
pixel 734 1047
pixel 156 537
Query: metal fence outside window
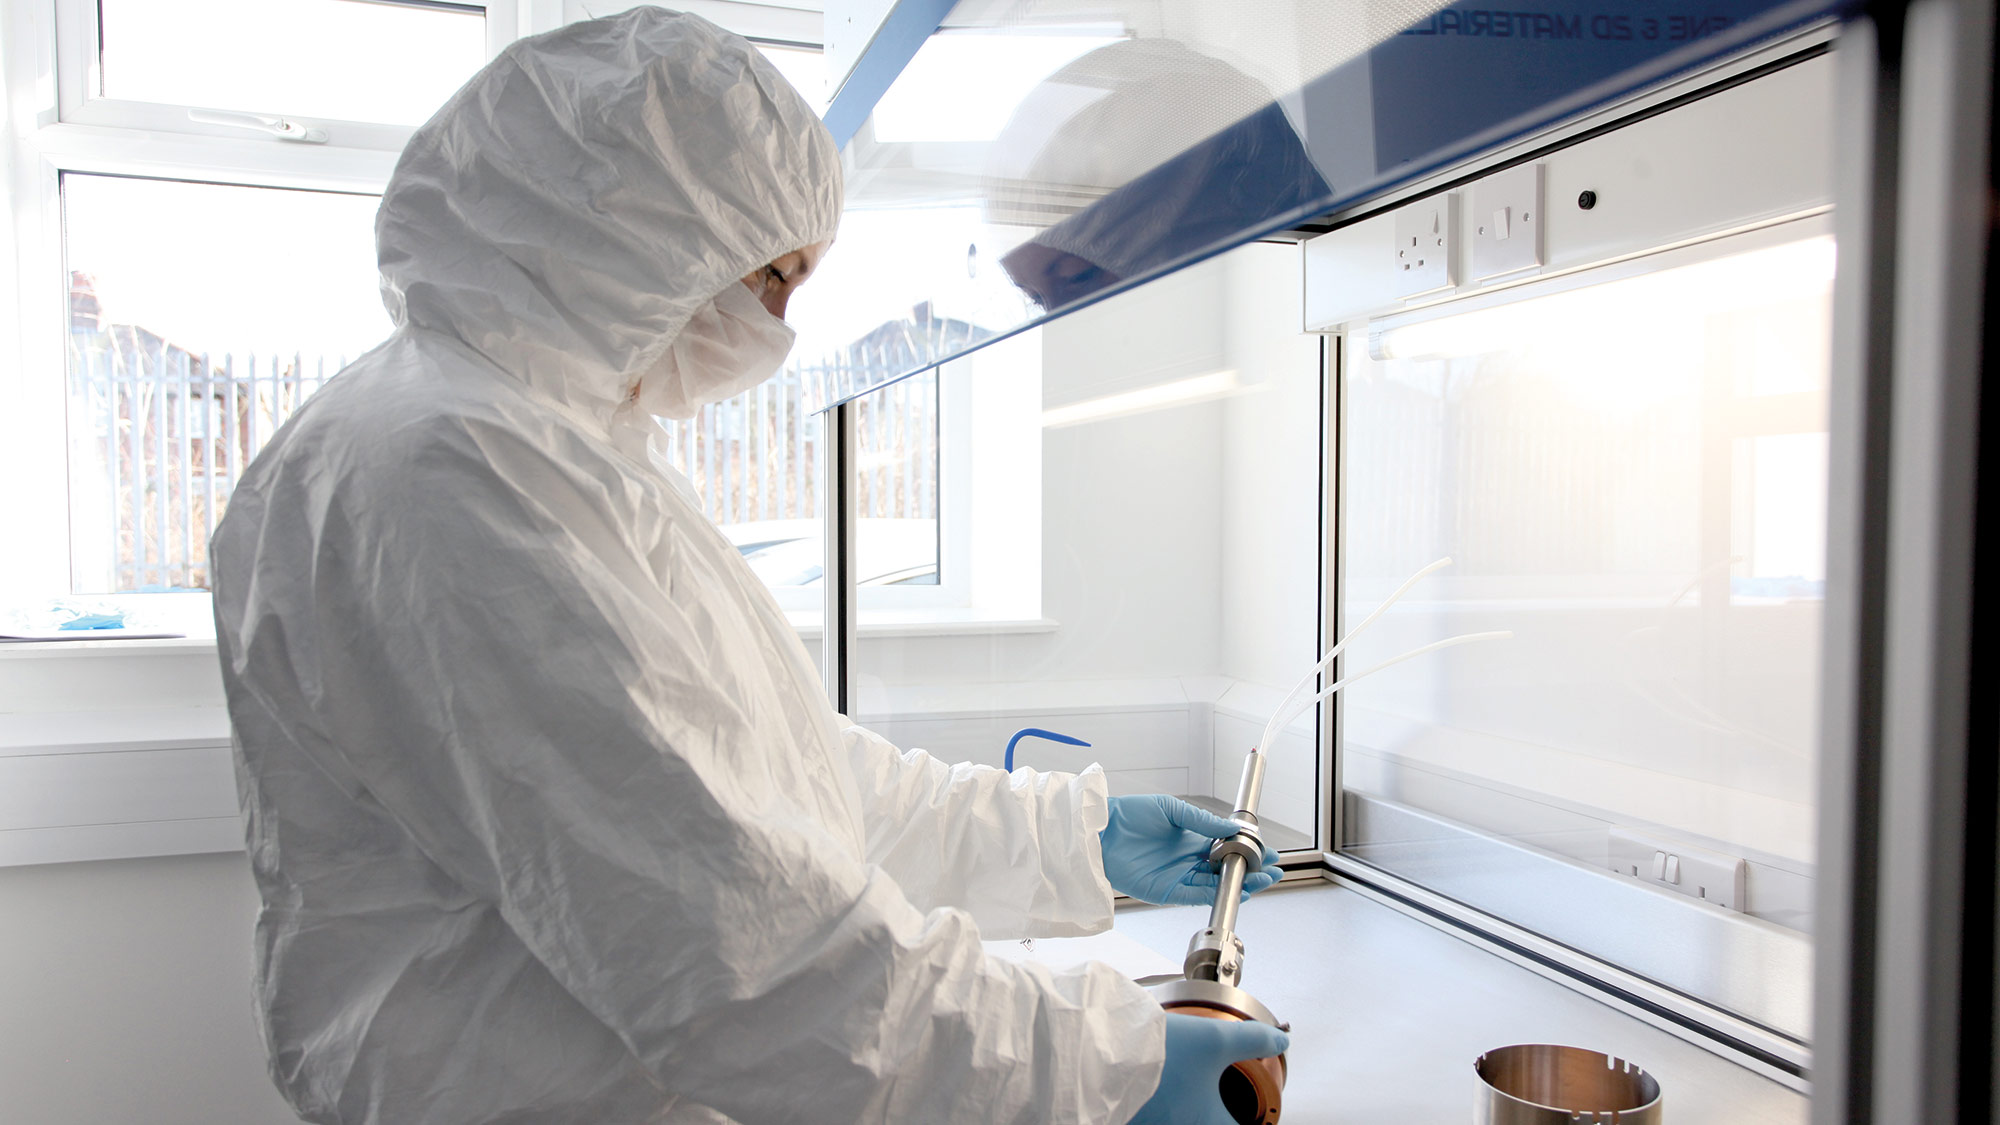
pixel 756 456
pixel 166 434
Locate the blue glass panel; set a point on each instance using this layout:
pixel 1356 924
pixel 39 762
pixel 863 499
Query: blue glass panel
pixel 1074 156
pixel 1505 71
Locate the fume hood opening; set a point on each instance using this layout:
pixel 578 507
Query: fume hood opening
pixel 1630 474
pixel 1624 446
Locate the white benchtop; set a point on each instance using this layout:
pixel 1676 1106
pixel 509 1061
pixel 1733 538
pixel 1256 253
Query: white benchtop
pixel 1388 1014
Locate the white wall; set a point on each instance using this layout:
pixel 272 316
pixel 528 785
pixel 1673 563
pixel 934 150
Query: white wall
pixel 125 995
pixel 125 984
pixel 1270 524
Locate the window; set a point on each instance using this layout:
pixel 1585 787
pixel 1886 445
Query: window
pixel 242 55
pixel 754 460
pixel 195 211
pixel 186 277
pixel 926 494
pixel 789 33
pixel 160 356
pixel 898 432
pixel 285 67
pixel 189 343
pixel 946 527
pixel 803 66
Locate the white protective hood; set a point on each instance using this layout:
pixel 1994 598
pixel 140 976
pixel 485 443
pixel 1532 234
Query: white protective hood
pixel 565 214
pixel 549 816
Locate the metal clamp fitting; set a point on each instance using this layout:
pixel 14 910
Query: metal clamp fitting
pixel 1246 844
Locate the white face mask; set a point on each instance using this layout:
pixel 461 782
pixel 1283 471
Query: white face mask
pixel 732 344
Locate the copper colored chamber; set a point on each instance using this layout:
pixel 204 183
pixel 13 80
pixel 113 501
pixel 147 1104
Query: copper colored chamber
pixel 1252 1091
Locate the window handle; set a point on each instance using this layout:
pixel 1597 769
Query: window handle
pixel 283 128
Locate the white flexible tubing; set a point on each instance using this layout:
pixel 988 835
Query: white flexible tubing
pixel 1286 712
pixel 1461 639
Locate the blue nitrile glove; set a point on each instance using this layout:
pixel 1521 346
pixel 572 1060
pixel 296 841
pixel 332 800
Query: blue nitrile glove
pixel 1156 850
pixel 1198 1050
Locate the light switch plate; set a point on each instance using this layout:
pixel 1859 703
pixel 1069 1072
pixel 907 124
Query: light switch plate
pixel 1676 865
pixel 1506 222
pixel 1424 244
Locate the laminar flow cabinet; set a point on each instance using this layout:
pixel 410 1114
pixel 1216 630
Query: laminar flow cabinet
pixel 1665 326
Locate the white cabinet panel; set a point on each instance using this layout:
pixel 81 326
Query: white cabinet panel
pixel 67 790
pixel 22 847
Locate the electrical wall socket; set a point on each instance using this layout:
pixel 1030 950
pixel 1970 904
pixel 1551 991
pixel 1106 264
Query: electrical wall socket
pixel 1676 865
pixel 1424 245
pixel 1507 222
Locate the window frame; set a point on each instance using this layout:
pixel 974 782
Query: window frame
pixel 778 24
pixel 78 63
pixel 953 589
pixel 970 593
pixel 951 592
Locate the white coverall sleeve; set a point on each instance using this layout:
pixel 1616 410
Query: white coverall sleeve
pixel 1019 852
pixel 561 737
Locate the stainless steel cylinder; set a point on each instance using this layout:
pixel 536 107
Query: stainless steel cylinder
pixel 1228 894
pixel 1543 1084
pixel 1250 790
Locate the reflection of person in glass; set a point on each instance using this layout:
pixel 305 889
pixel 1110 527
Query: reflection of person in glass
pixel 1182 150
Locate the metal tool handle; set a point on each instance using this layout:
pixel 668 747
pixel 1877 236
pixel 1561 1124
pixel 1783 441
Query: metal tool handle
pixel 1216 953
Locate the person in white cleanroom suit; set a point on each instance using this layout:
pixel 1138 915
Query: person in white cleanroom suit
pixel 549 816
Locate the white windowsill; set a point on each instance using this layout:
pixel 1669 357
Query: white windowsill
pixel 166 646
pixel 930 624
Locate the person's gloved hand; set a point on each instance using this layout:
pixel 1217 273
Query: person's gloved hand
pixel 1156 850
pixel 1198 1050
